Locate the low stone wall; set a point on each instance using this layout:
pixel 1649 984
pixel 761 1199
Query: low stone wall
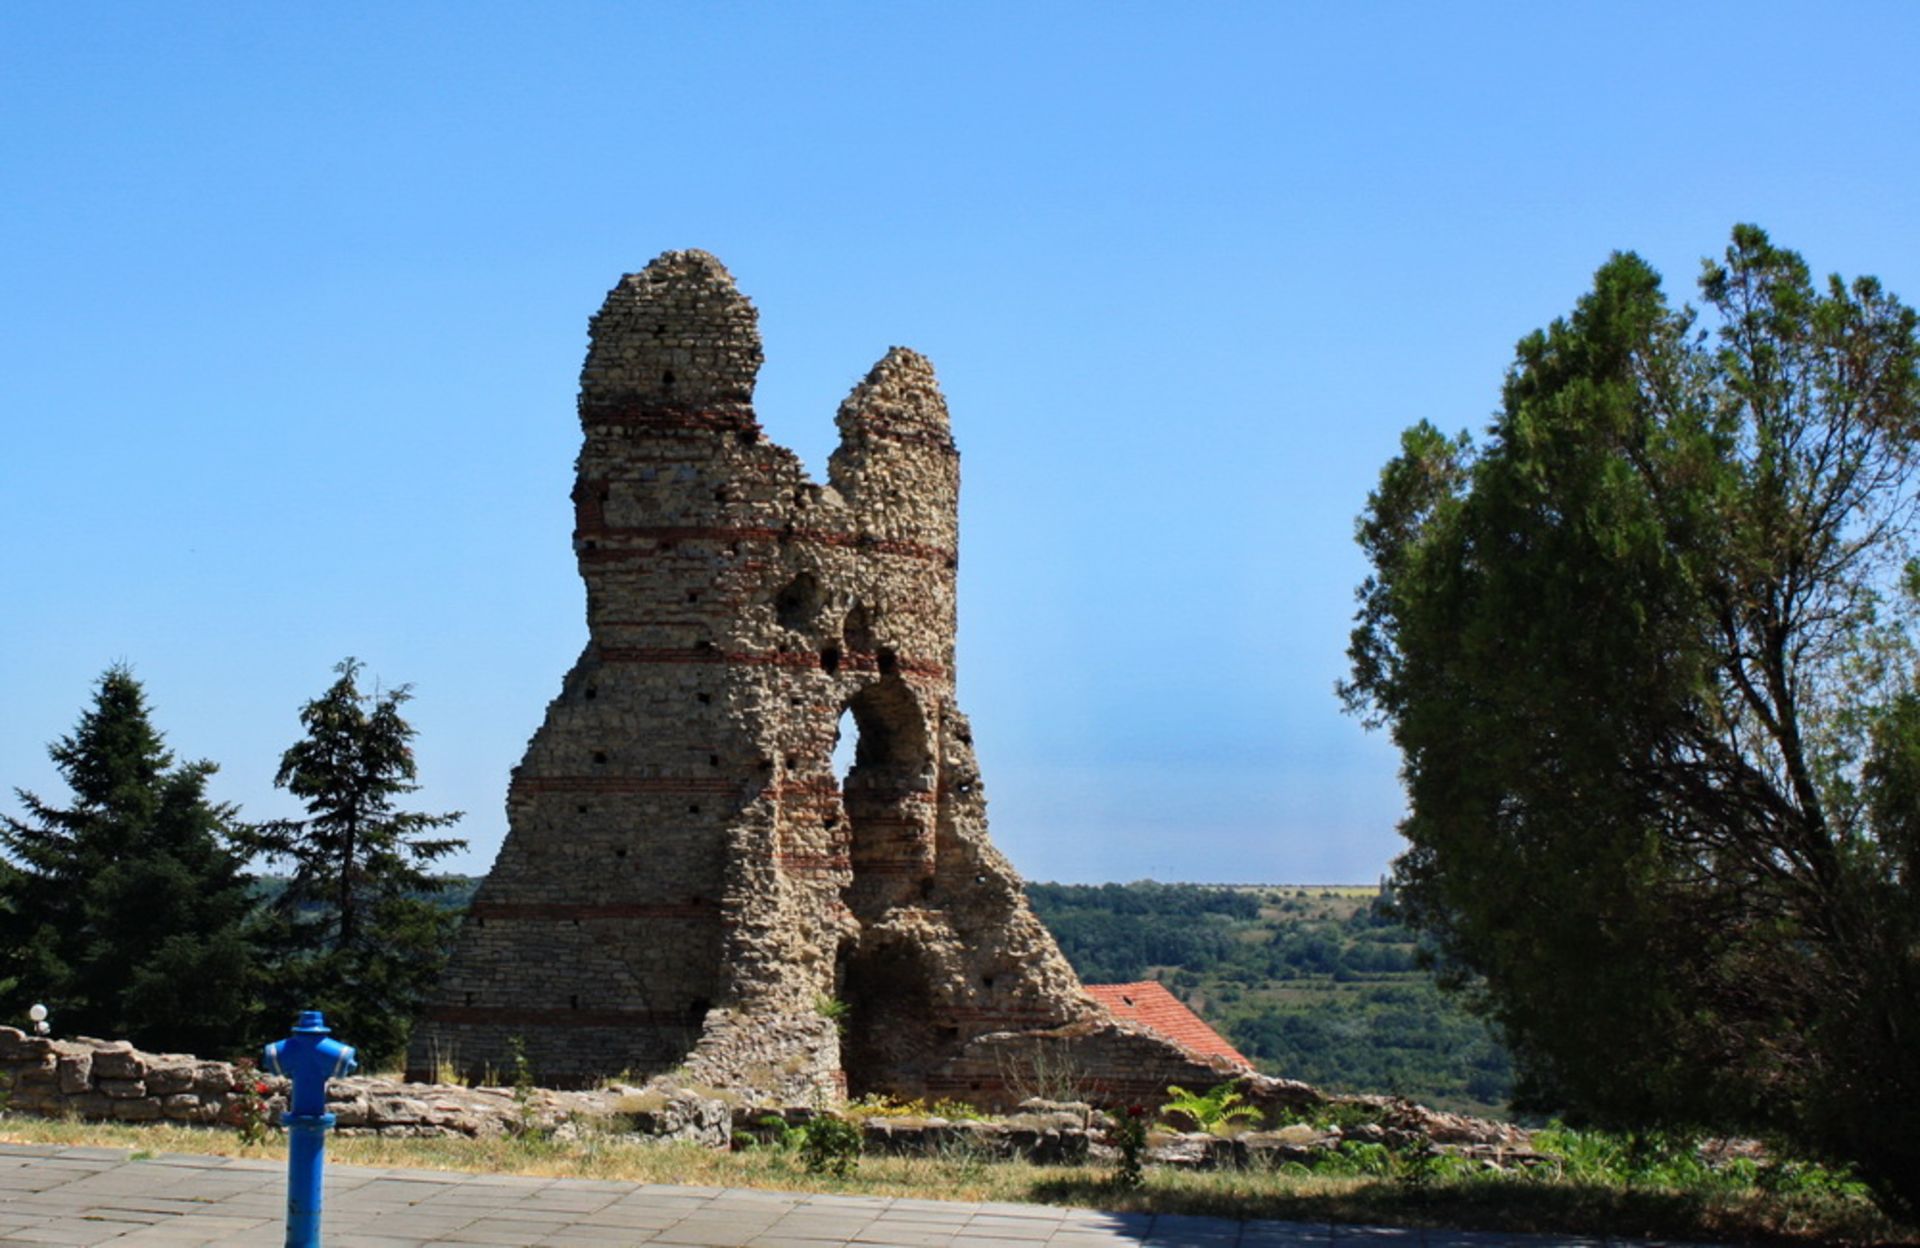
pixel 111 1081
pixel 1105 1062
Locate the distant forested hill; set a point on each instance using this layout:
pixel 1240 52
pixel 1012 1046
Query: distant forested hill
pixel 1319 984
pixel 456 891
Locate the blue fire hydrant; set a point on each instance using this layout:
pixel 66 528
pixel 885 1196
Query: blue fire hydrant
pixel 308 1058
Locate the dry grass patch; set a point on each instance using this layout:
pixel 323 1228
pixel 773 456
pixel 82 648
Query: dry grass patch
pixel 1509 1204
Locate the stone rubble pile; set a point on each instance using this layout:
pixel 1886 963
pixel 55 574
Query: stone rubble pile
pixel 1056 1133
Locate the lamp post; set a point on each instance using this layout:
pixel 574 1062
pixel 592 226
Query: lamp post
pixel 309 1058
pixel 38 1014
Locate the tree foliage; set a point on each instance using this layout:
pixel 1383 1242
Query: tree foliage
pixel 360 935
pixel 127 913
pixel 1648 653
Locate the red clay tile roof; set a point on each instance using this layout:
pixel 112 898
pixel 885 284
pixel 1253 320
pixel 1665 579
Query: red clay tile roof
pixel 1149 1004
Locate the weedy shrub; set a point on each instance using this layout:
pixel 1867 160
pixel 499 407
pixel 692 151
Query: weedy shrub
pixel 1356 1159
pixel 1422 1168
pixel 247 1110
pixel 774 1133
pixel 1345 1115
pixel 830 1145
pixel 880 1105
pixel 834 1010
pixel 1580 1156
pixel 1793 1177
pixel 647 1101
pixel 963 1162
pixel 525 1124
pixel 1634 1159
pixel 1130 1137
pixel 1047 1071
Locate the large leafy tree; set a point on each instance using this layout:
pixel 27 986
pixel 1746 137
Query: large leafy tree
pixel 1648 652
pixel 360 934
pixel 127 912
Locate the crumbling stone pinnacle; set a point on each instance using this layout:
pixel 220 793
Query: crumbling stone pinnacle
pixel 685 884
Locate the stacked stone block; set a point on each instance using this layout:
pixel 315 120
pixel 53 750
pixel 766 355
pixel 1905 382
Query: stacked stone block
pixel 110 1080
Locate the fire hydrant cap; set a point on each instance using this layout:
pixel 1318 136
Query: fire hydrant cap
pixel 311 1022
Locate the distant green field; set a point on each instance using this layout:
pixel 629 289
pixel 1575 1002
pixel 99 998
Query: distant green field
pixel 1312 982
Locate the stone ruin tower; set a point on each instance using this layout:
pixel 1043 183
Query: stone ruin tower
pixel 684 885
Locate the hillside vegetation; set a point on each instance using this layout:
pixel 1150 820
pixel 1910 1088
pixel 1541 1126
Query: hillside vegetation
pixel 1313 983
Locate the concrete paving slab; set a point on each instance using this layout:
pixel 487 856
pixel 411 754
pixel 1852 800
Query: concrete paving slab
pixel 630 1222
pixel 518 1235
pixel 1021 1229
pixel 758 1196
pixel 81 1152
pixel 820 1223
pixel 68 1231
pixel 617 1186
pixel 1051 1213
pixel 684 1236
pixel 903 1237
pixel 560 1198
pixel 1383 1235
pixel 1284 1235
pixel 833 1200
pixel 905 1206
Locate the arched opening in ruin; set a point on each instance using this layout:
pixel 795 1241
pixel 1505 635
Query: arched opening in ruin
pixel 891 1039
pixel 883 764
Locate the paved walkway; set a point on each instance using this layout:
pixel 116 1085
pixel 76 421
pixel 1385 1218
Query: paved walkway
pixel 53 1195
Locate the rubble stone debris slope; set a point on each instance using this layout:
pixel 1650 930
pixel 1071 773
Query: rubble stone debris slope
pixel 685 883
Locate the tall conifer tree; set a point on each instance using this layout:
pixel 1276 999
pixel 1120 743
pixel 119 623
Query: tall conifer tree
pixel 360 934
pixel 127 912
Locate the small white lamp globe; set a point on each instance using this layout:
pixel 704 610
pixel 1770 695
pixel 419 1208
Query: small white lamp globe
pixel 38 1013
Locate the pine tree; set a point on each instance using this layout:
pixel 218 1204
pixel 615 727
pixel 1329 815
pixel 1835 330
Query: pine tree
pixel 127 913
pixel 360 934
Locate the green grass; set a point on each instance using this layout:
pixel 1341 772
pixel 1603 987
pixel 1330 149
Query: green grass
pixel 1701 1211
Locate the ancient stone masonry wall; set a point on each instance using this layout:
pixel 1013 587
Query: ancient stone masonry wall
pixel 111 1081
pixel 684 883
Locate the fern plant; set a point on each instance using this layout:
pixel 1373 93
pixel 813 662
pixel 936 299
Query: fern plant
pixel 1214 1111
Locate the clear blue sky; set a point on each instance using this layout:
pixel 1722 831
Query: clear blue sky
pixel 294 300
